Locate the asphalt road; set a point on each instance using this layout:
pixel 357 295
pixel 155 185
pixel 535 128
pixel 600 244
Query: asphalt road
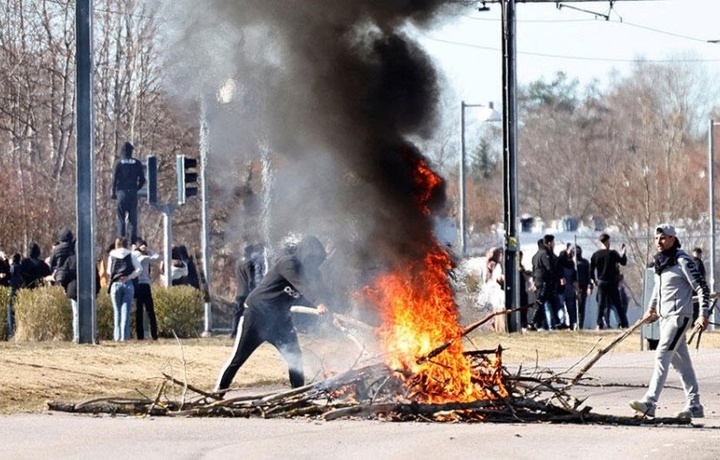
pixel 620 378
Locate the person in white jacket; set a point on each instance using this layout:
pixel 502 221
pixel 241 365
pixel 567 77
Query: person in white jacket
pixel 677 279
pixel 123 268
pixel 143 292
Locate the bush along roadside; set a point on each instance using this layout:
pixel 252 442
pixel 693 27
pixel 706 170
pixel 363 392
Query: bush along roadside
pixel 45 313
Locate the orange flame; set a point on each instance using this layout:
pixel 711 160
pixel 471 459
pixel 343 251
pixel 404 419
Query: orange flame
pixel 416 305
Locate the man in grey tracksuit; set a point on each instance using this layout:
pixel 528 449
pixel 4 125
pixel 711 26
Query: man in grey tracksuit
pixel 677 279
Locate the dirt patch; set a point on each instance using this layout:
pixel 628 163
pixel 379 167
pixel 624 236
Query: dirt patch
pixel 33 373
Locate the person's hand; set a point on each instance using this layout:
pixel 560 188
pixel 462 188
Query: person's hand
pixel 322 309
pixel 702 323
pixel 651 315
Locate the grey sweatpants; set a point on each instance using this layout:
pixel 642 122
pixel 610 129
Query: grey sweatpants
pixel 672 349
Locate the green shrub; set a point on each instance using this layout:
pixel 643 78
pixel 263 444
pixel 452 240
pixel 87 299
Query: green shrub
pixel 4 297
pixel 43 314
pixel 104 316
pixel 179 309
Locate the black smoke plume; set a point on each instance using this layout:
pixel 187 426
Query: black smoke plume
pixel 340 95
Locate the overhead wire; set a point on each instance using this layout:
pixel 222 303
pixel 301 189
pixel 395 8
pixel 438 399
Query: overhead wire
pixel 561 56
pixel 607 18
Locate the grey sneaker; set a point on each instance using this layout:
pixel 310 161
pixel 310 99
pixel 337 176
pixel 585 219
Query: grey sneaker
pixel 643 408
pixel 692 412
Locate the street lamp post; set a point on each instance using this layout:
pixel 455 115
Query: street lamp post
pixel 489 114
pixel 711 194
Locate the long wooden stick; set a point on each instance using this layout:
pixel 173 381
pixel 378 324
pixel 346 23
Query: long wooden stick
pixel 698 330
pixel 601 352
pixel 468 330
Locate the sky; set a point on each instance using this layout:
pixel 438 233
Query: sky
pixel 584 46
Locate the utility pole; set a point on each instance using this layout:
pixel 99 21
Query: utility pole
pixel 85 173
pixel 510 124
pixel 711 211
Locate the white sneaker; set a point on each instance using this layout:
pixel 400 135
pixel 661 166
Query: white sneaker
pixel 692 412
pixel 643 408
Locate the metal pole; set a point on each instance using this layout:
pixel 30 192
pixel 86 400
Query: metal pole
pixel 85 173
pixel 167 211
pixel 461 181
pixel 509 116
pixel 711 173
pixel 205 247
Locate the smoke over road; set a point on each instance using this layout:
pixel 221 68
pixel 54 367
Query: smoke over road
pixel 335 91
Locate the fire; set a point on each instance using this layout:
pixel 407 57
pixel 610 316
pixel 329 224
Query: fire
pixel 418 314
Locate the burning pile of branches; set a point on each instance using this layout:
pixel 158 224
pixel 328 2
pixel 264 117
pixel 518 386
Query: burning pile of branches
pixel 378 392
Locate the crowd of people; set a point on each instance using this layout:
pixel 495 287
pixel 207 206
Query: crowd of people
pixel 561 282
pixel 124 271
pixel 557 286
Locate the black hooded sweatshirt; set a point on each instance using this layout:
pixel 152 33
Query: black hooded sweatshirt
pixel 129 175
pixel 64 249
pixel 293 280
pixel 33 268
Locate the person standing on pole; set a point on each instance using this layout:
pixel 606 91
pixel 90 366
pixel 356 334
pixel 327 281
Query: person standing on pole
pixel 128 178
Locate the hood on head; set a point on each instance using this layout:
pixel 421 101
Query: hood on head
pixel 311 251
pixel 65 236
pixel 127 150
pixel 33 250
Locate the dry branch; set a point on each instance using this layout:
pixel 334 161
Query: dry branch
pixel 466 331
pixel 376 391
pixel 602 351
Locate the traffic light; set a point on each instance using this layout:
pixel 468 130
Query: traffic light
pixel 187 177
pixel 149 190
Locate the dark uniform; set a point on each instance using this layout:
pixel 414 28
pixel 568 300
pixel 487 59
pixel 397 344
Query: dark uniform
pixel 128 178
pixel 605 272
pixel 293 280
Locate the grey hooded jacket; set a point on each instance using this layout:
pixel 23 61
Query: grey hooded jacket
pixel 675 286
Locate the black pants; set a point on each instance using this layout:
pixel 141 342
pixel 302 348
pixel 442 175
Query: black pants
pixel 582 301
pixel 607 296
pixel 144 300
pixel 258 325
pixel 239 310
pixel 127 202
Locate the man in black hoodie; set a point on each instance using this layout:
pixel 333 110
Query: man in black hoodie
pixel 605 271
pixel 546 278
pixel 33 268
pixel 67 273
pixel 293 280
pixel 128 178
pixel 64 248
